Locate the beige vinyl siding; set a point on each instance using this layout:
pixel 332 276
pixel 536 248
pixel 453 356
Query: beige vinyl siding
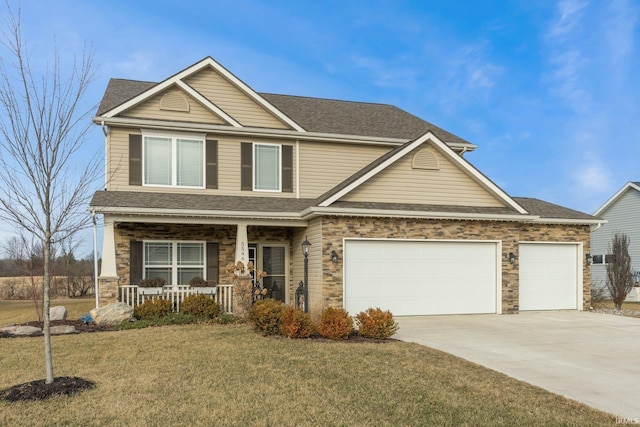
pixel 151 110
pixel 228 166
pixel 400 183
pixel 324 165
pixel 118 158
pixel 232 101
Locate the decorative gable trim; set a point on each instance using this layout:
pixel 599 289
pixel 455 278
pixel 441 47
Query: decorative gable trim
pixel 407 148
pixel 615 197
pixel 174 102
pixel 177 79
pixel 425 159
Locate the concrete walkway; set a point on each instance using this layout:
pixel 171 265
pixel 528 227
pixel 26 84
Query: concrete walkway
pixel 589 357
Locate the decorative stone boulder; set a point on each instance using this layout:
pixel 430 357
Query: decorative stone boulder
pixel 63 329
pixel 58 313
pixel 21 330
pixel 112 314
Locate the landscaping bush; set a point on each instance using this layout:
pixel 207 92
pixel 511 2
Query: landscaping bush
pixel 265 315
pixel 335 324
pixel 201 306
pixel 154 282
pixel 375 323
pixel 151 309
pixel 295 323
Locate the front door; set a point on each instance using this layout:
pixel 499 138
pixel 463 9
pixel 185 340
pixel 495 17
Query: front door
pixel 274 263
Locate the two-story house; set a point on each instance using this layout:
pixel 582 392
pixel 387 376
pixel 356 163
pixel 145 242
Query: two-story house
pixel 203 171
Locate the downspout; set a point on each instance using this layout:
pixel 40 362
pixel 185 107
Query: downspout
pixel 105 131
pixel 297 168
pixel 95 257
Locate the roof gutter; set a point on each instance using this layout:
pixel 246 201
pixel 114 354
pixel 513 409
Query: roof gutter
pixel 264 132
pixel 315 211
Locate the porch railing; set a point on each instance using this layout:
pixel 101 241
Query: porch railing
pixel 224 296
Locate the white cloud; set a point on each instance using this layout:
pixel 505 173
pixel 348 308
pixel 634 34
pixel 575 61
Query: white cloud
pixel 395 73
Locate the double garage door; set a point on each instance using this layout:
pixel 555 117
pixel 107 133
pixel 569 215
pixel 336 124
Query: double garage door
pixel 453 277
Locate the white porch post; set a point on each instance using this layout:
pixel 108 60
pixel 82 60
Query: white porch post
pixel 108 280
pixel 242 244
pixel 108 251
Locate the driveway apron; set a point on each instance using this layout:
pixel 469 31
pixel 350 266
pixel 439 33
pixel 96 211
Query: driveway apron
pixel 589 357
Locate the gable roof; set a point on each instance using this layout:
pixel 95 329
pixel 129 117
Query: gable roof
pixel 396 154
pixel 318 115
pixel 177 79
pixel 631 185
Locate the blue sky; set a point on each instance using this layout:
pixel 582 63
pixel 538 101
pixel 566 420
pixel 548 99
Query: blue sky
pixel 548 90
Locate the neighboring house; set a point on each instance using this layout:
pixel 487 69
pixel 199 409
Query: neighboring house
pixel 622 213
pixel 203 171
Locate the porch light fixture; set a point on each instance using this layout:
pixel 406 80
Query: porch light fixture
pixel 588 256
pixel 334 257
pixel 306 248
pixel 512 258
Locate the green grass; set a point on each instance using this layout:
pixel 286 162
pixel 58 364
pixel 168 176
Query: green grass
pixel 24 311
pixel 210 374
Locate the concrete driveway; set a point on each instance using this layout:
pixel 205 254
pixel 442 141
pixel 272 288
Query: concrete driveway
pixel 589 357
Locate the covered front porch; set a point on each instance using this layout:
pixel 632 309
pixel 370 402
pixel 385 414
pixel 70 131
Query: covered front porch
pixel 178 250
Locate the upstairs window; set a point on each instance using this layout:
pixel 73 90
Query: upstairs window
pixel 266 167
pixel 176 161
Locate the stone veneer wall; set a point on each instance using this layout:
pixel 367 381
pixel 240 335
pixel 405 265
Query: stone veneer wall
pixel 334 229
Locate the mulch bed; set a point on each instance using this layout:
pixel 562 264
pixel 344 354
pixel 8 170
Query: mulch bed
pixel 39 390
pixel 80 326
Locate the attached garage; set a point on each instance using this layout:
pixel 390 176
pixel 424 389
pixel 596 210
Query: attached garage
pixel 550 276
pixel 418 277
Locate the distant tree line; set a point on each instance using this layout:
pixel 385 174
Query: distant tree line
pixel 21 270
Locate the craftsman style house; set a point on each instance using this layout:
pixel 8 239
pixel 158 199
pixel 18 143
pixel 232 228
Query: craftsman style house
pixel 203 171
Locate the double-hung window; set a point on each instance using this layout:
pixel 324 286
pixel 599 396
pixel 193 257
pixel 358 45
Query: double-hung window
pixel 266 167
pixel 173 160
pixel 175 262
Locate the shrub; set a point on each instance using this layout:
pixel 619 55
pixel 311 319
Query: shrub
pixel 151 309
pixel 197 282
pixel 295 323
pixel 200 306
pixel 335 324
pixel 154 282
pixel 265 315
pixel 375 323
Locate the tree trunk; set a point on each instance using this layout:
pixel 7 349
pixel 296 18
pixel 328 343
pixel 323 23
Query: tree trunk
pixel 48 361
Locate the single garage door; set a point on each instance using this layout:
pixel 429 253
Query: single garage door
pixel 421 277
pixel 548 276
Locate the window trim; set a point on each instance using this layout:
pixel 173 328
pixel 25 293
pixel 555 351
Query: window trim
pixel 255 169
pixel 174 259
pixel 174 136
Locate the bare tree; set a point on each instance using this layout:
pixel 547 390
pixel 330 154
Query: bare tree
pixel 45 185
pixel 619 275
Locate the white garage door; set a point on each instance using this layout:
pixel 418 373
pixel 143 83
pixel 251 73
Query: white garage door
pixel 420 277
pixel 548 276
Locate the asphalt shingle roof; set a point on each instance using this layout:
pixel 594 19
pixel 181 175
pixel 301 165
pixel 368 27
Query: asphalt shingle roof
pixel 550 210
pixel 315 114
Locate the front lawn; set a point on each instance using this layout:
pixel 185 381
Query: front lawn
pixel 228 375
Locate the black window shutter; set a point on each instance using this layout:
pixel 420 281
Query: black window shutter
pixel 212 262
pixel 135 262
pixel 287 169
pixel 212 163
pixel 135 159
pixel 246 169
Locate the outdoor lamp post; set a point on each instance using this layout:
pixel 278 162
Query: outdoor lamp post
pixel 306 248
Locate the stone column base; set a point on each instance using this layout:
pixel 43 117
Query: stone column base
pixel 107 290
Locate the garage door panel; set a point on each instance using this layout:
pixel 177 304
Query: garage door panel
pixel 416 278
pixel 548 276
